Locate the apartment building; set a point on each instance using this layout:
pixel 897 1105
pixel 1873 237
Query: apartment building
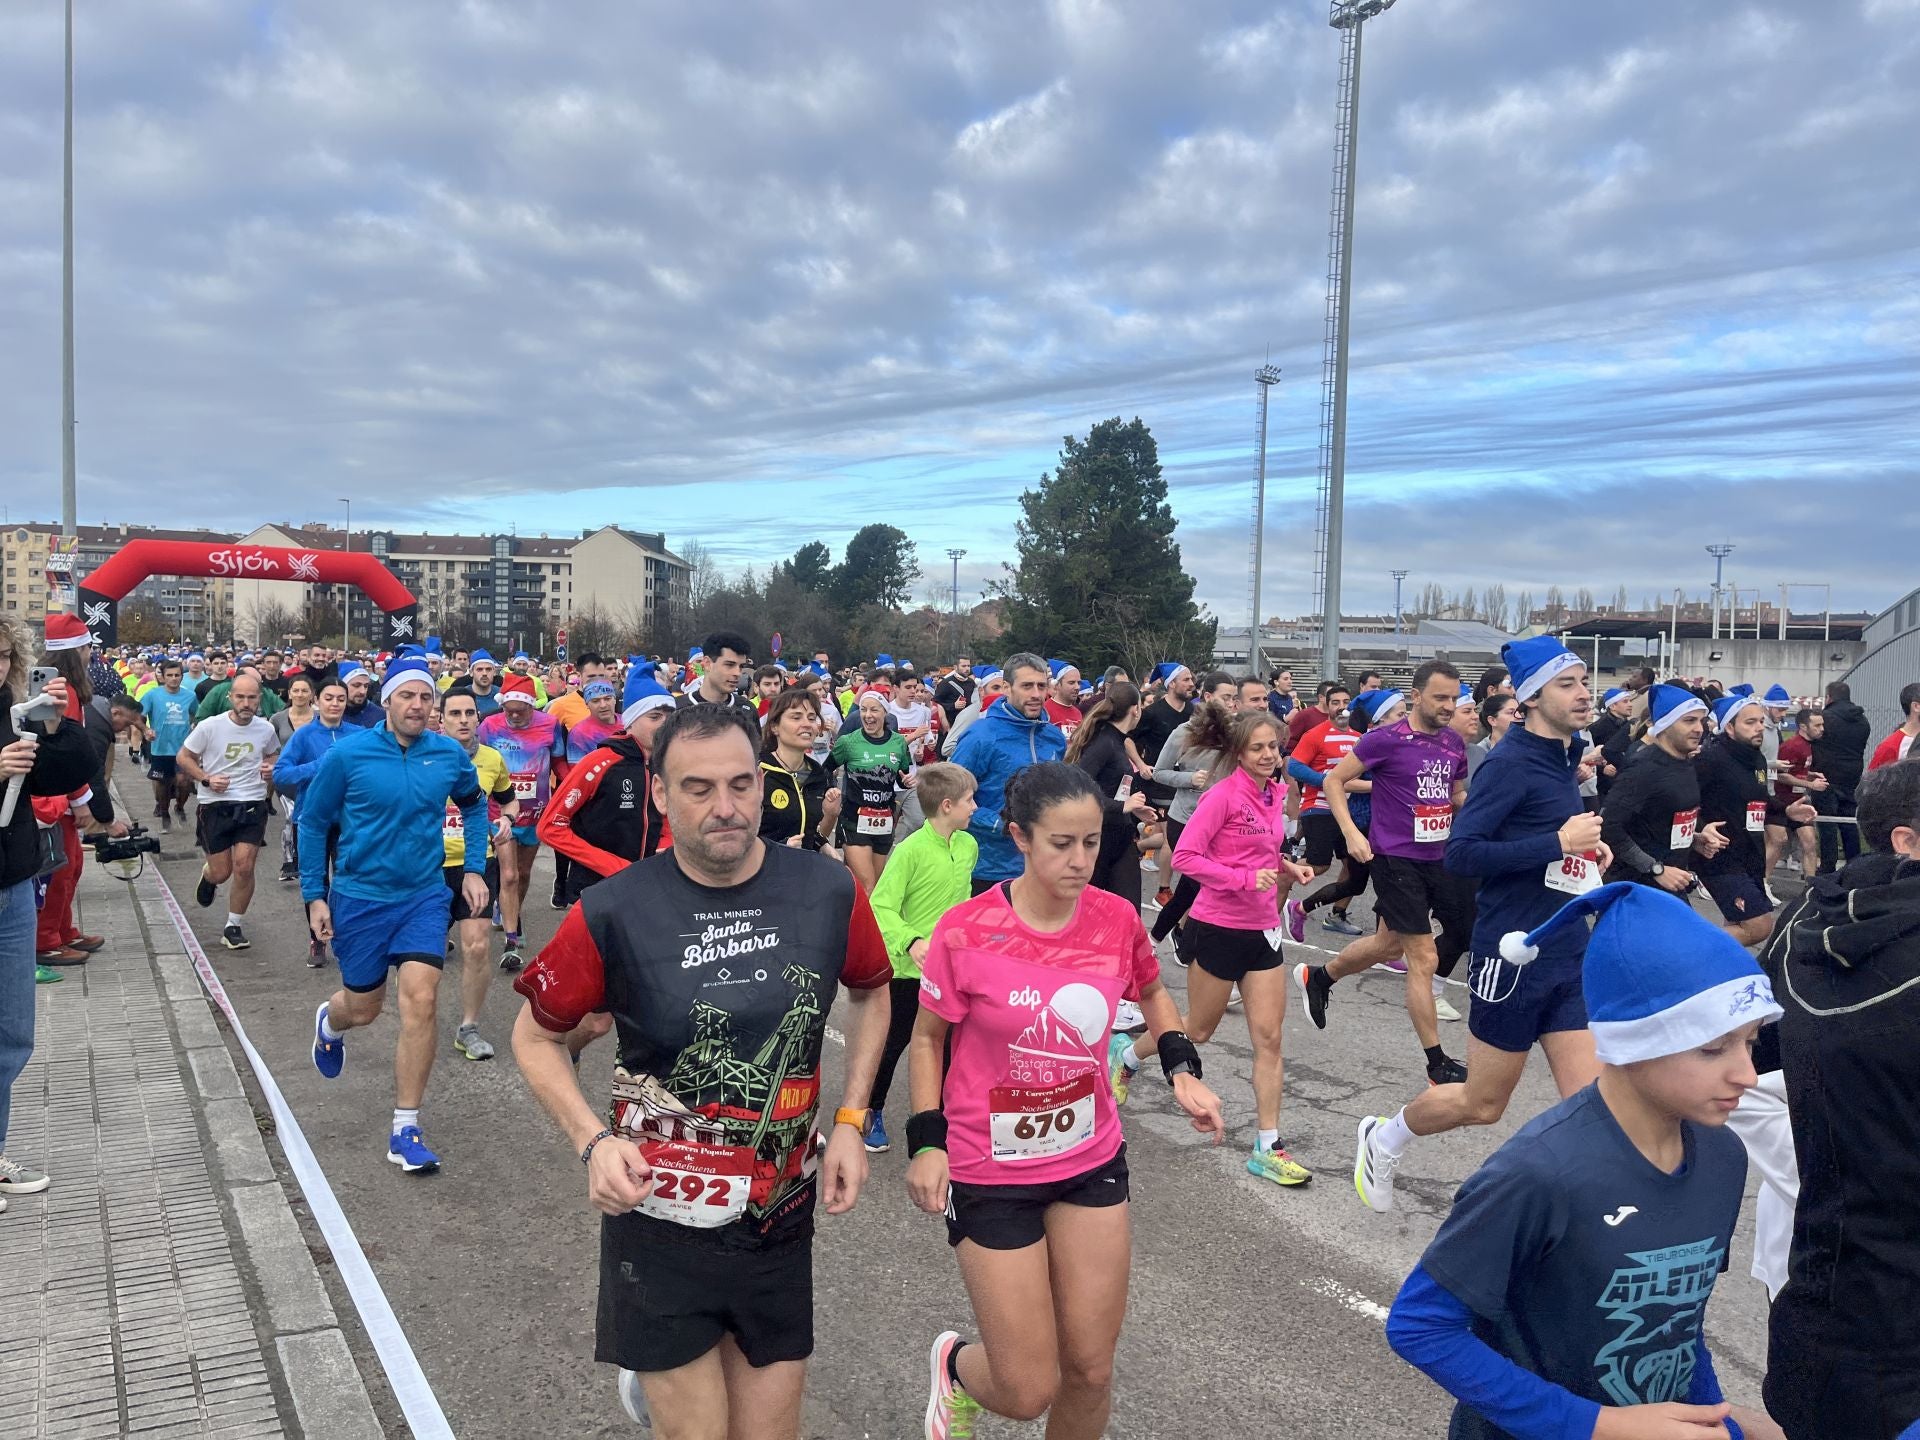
pixel 194 606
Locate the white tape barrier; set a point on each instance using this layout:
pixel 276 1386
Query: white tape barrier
pixel 417 1400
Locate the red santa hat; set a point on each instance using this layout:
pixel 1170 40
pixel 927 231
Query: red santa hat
pixel 65 632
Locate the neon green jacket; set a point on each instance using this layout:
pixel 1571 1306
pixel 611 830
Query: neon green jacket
pixel 926 876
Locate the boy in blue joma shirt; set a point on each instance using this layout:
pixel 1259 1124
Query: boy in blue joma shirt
pixel 1564 1296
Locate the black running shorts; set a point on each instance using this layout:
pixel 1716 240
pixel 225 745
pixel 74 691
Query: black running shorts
pixel 1230 955
pixel 1012 1217
pixel 223 824
pixel 456 879
pixel 1325 841
pixel 1409 895
pixel 667 1299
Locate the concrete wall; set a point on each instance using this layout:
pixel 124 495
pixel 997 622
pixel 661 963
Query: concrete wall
pixel 1803 666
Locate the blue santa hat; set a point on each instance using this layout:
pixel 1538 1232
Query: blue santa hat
pixel 1466 691
pixel 351 669
pixel 1777 694
pixel 1166 670
pixel 644 692
pixel 1733 705
pixel 1612 695
pixel 881 662
pixel 1660 979
pixel 1055 667
pixel 1741 690
pixel 481 657
pixel 1668 703
pixel 1374 703
pixel 1533 663
pixel 814 667
pixel 520 655
pixel 985 672
pixel 410 667
pixel 434 647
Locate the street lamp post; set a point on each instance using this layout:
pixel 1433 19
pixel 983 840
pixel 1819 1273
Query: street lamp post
pixel 346 599
pixel 955 555
pixel 1398 577
pixel 69 497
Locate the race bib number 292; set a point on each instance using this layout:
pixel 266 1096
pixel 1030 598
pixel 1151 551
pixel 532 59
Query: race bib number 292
pixel 699 1186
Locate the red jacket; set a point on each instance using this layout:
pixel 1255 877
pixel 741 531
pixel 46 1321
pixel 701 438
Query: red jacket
pixel 1895 748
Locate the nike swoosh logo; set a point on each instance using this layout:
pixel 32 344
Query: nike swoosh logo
pixel 1621 1214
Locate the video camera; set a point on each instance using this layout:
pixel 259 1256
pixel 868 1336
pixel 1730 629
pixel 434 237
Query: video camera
pixel 130 846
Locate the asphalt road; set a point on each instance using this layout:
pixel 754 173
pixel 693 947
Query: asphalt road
pixel 1253 1311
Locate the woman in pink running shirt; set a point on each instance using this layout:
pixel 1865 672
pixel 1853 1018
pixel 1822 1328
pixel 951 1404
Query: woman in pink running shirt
pixel 1233 846
pixel 1019 1143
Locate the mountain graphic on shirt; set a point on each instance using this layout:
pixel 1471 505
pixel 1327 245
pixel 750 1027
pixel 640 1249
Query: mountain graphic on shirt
pixel 1048 1052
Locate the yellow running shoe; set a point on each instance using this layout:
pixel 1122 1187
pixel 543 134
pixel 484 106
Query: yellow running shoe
pixel 1118 1075
pixel 1278 1166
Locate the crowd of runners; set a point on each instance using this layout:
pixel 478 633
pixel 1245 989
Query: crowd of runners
pixel 994 866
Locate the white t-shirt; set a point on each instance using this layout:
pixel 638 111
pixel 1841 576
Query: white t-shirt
pixel 223 746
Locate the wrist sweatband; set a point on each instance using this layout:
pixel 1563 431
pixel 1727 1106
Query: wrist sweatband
pixel 926 1130
pixel 1178 1055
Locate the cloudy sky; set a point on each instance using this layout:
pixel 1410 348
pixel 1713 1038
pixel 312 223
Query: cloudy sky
pixel 1629 278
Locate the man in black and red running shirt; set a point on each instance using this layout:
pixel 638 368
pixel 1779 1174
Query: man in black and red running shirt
pixel 719 960
pixel 603 816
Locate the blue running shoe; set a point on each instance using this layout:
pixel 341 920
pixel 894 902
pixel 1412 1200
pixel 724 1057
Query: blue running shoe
pixel 876 1136
pixel 328 1055
pixel 410 1153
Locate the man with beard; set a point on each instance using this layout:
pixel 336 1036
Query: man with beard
pixel 1736 799
pixel 955 690
pixel 1840 754
pixel 1651 820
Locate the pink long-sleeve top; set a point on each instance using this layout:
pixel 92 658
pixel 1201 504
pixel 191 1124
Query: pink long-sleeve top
pixel 1238 830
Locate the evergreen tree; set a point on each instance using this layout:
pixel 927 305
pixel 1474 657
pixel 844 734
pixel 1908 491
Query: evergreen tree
pixel 1100 579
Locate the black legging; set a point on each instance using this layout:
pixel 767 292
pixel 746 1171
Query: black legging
pixel 1184 894
pixel 1352 887
pixel 904 995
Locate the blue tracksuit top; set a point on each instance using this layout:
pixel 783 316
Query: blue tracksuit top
pixel 996 747
pixel 390 802
pixel 1508 832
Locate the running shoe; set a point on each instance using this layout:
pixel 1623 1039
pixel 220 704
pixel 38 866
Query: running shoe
pixel 328 1055
pixel 1119 1076
pixel 1373 1167
pixel 558 899
pixel 3 1204
pixel 1182 947
pixel 1446 1071
pixel 1337 924
pixel 1398 967
pixel 875 1135
pixel 316 954
pixel 951 1412
pixel 1149 904
pixel 1315 987
pixel 18 1179
pixel 410 1153
pixel 1128 1016
pixel 234 938
pixel 1443 1007
pixel 499 923
pixel 1163 897
pixel 166 823
pixel 633 1399
pixel 44 975
pixel 289 874
pixel 1150 867
pixel 204 892
pixel 1297 921
pixel 510 958
pixel 468 1042
pixel 1278 1166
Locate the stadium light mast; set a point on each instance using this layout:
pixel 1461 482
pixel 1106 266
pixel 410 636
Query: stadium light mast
pixel 1346 16
pixel 1399 578
pixel 1719 553
pixel 1266 377
pixel 69 495
pixel 955 554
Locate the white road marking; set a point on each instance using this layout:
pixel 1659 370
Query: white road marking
pixel 1351 1299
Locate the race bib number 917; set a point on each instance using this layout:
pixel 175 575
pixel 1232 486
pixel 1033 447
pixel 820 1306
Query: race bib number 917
pixel 1032 1124
pixel 1684 824
pixel 699 1186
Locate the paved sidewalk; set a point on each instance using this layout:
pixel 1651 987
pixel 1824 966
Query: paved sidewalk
pixel 162 1286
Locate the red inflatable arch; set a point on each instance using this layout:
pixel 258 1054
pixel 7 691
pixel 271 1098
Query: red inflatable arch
pixel 103 590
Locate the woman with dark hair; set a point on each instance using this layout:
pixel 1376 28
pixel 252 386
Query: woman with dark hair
pixel 1235 846
pixel 875 767
pixel 1497 714
pixel 799 805
pixel 1494 680
pixel 50 759
pixel 1099 747
pixel 1191 759
pixel 1017 1140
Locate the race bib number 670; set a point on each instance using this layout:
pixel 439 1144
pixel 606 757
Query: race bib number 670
pixel 1034 1123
